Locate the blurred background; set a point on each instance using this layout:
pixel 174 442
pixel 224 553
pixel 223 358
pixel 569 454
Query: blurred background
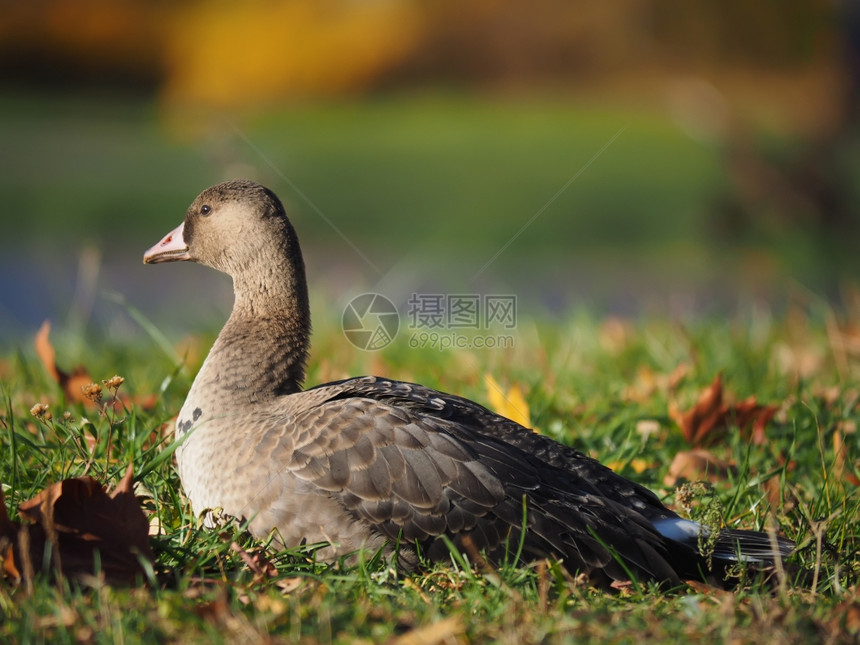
pixel 683 157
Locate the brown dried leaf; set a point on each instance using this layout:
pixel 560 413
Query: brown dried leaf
pixel 700 420
pixel 778 496
pixel 752 417
pixel 289 585
pixel 75 385
pixel 697 464
pixel 215 611
pixel 840 451
pixel 70 383
pixel 45 351
pixel 8 537
pixel 77 517
pixel 258 563
pixel 678 374
pixel 705 589
pixel 844 620
pixel 648 382
pixel 7 527
pixel 708 420
pixel 442 631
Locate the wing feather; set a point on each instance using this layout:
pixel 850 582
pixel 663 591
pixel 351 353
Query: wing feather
pixel 416 464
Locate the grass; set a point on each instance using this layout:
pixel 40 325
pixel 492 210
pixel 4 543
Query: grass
pixel 442 182
pixel 599 384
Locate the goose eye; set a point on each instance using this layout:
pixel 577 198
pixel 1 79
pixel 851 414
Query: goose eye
pixel 205 210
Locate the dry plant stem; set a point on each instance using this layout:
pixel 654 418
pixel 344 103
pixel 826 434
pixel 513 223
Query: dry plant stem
pixel 777 561
pixel 818 531
pixel 113 384
pixel 109 439
pixel 543 585
pixel 28 570
pixel 93 392
pixel 76 437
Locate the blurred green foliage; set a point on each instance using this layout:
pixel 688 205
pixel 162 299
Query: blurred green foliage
pixel 440 181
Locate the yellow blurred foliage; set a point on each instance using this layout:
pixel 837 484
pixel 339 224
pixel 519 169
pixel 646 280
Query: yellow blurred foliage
pixel 638 465
pixel 511 404
pixel 229 54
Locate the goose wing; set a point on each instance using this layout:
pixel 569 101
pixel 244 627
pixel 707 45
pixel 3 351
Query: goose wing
pixel 415 465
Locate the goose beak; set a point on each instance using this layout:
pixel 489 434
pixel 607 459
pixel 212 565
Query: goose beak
pixel 171 248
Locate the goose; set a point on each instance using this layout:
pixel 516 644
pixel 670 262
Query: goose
pixel 391 467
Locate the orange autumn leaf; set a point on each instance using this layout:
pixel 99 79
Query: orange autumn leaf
pixel 708 420
pixel 753 417
pixel 8 532
pixel 77 385
pixel 511 404
pixel 71 384
pixel 698 422
pixel 840 461
pixel 705 589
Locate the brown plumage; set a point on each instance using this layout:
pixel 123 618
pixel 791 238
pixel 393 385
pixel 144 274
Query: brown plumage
pixel 366 463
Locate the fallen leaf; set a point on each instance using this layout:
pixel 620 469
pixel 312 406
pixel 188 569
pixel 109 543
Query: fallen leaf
pixel 678 374
pixel 845 619
pixel 8 534
pixel 780 497
pixel 708 420
pixel 644 386
pixel 78 519
pixel 442 631
pixel 697 464
pixel 289 585
pixel 76 385
pixel 215 611
pixel 648 382
pixel 258 563
pixel 705 589
pixel 773 491
pixel 6 525
pixel 698 422
pixel 511 404
pixel 71 384
pixel 638 465
pixel 752 417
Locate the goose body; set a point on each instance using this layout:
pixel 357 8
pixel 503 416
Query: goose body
pixel 370 463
